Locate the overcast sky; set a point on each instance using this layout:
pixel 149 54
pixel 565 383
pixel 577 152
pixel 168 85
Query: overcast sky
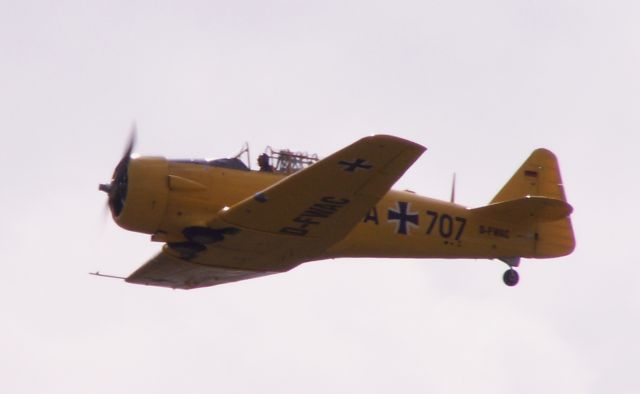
pixel 481 84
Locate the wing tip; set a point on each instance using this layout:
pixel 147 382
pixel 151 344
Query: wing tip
pixel 388 138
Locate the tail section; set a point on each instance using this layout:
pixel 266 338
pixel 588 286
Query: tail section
pixel 535 195
pixel 538 176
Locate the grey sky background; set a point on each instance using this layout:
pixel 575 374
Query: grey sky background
pixel 481 84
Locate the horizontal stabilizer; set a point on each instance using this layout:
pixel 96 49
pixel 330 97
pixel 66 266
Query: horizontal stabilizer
pixel 529 209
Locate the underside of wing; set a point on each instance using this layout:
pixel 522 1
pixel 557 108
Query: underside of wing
pixel 169 270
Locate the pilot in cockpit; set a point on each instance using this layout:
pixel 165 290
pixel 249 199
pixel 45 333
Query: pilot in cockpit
pixel 263 162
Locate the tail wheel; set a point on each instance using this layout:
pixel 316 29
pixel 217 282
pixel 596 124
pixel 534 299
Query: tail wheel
pixel 511 277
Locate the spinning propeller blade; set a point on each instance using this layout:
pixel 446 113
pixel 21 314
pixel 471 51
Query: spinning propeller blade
pixel 117 188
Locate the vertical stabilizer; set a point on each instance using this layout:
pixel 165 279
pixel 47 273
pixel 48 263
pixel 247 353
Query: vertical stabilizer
pixel 539 176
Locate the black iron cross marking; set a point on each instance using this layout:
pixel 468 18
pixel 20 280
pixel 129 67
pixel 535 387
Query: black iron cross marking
pixel 403 216
pixel 357 164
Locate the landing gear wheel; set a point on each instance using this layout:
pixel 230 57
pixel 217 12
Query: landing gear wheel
pixel 511 277
pixel 203 235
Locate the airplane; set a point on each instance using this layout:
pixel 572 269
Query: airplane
pixel 222 222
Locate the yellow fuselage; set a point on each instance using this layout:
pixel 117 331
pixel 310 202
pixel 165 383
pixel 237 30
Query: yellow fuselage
pixel 167 196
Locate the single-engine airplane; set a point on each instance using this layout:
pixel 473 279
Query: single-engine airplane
pixel 221 222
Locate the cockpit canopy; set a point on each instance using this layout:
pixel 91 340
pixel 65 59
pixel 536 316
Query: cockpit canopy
pixel 233 163
pixel 286 162
pixel 281 161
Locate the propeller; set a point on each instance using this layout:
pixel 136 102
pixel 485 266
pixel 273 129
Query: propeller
pixel 117 188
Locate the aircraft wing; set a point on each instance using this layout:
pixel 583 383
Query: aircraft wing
pixel 292 221
pixel 169 270
pixel 330 197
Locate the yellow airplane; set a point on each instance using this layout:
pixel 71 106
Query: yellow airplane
pixel 221 222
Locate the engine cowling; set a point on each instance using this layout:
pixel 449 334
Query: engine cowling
pixel 142 201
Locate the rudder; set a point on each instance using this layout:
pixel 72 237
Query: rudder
pixel 539 176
